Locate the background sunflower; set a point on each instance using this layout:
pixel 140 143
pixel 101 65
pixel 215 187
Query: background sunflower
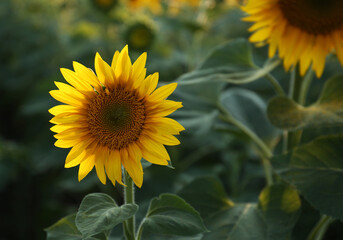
pixel 303 32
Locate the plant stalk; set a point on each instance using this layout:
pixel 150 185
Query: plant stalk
pixel 129 197
pixel 277 87
pixel 266 152
pixel 319 230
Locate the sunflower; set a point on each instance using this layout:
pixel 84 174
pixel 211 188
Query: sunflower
pixel 303 31
pixel 114 118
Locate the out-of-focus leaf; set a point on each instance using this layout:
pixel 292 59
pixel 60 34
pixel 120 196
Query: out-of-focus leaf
pixel 99 213
pixel 229 63
pixel 170 215
pixel 196 122
pixel 273 218
pixel 66 229
pixel 250 109
pixel 207 195
pixel 316 170
pixel 286 114
pixel 280 205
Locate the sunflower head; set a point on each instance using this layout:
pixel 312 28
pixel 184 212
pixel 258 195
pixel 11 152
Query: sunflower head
pixel 140 36
pixel 113 118
pixel 303 31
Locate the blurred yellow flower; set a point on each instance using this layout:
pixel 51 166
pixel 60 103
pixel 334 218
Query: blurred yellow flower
pixel 114 118
pixel 153 5
pixel 302 31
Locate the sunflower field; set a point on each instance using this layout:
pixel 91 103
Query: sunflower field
pixel 171 119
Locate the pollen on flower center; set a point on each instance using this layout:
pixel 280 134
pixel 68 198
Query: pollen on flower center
pixel 116 118
pixel 316 17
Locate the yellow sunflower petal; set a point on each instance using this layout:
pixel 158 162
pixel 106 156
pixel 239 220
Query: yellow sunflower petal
pixel 72 118
pixel 67 143
pixel 154 146
pixel 71 134
pixel 103 71
pixel 88 76
pixel 166 125
pixel 113 167
pixel 152 158
pixel 133 167
pixel 114 60
pixel 139 65
pixel 100 164
pixel 63 109
pixel 77 154
pixel 123 65
pixel 69 90
pixel 64 98
pixel 163 92
pixel 165 108
pixel 86 166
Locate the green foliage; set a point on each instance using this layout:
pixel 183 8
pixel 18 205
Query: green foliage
pixel 67 230
pixel 230 63
pixel 327 111
pixel 98 213
pixel 273 217
pixel 170 215
pixel 253 115
pixel 316 170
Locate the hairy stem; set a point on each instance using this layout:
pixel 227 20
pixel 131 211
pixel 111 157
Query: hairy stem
pixel 320 228
pixel 129 195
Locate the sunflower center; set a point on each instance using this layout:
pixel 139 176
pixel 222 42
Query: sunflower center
pixel 316 17
pixel 116 119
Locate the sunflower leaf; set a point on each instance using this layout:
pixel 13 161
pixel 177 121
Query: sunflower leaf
pixel 170 216
pixel 286 114
pixel 252 115
pixel 316 170
pixel 272 218
pixel 229 63
pixel 99 213
pixel 66 229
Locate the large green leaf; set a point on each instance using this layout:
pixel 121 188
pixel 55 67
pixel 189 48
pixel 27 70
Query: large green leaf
pixel 169 215
pixel 249 109
pixel 243 221
pixel 280 205
pixel 273 218
pixel 231 62
pixel 316 170
pixel 65 229
pixel 196 122
pixel 99 213
pixel 207 195
pixel 286 114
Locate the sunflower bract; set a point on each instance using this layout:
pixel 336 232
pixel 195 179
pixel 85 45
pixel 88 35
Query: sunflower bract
pixel 303 31
pixel 113 118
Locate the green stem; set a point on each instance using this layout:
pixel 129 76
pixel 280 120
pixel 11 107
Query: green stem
pixel 295 92
pixel 140 231
pixel 305 85
pixel 266 152
pixel 267 171
pixel 319 230
pixel 277 87
pixel 129 194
